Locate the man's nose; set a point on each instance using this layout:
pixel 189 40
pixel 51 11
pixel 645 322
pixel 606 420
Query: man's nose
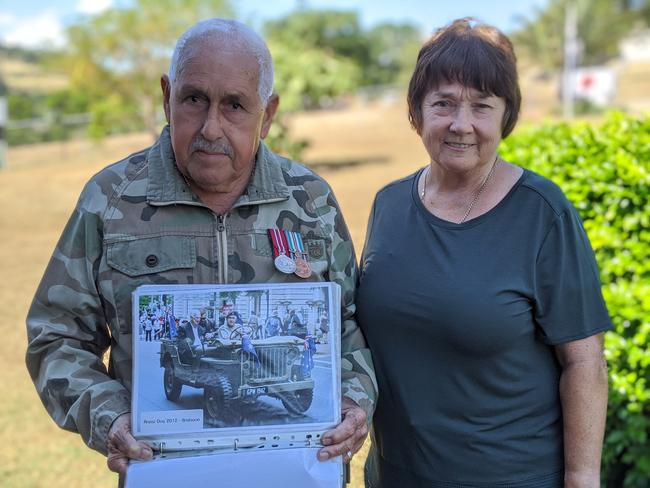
pixel 462 120
pixel 212 125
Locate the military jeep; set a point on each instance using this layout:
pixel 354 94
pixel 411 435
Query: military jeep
pixel 238 370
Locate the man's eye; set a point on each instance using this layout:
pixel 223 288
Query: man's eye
pixel 441 104
pixel 236 106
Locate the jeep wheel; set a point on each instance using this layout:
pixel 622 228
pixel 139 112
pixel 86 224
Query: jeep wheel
pixel 218 404
pixel 297 402
pixel 171 384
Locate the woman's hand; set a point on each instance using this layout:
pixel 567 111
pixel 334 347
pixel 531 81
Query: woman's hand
pixel 347 437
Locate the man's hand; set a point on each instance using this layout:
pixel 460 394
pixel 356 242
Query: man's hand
pixel 122 446
pixel 348 437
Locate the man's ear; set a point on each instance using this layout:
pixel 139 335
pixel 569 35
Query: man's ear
pixel 166 86
pixel 269 112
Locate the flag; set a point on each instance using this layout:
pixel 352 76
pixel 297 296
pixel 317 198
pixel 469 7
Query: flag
pixel 171 324
pixel 307 361
pixel 247 346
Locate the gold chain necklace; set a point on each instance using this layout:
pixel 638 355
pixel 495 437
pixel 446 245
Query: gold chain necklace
pixel 476 196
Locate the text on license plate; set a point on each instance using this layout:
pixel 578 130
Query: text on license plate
pixel 258 390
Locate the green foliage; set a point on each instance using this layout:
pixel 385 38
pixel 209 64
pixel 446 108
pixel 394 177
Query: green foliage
pixel 52 109
pixel 605 172
pixel 393 51
pixel 280 141
pixel 333 31
pixel 124 51
pixel 113 115
pixel 308 78
pixel 321 54
pixel 601 25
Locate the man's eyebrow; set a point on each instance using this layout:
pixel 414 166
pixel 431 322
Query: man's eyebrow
pixel 235 95
pixel 189 87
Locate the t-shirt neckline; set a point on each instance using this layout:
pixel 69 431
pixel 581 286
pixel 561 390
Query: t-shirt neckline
pixel 468 224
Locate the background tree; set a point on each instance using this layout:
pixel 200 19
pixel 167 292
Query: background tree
pixel 601 26
pixel 318 55
pixel 393 51
pixel 322 54
pixel 117 57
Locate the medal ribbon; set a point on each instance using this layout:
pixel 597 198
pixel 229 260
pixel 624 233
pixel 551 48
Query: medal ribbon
pixel 285 243
pixel 291 241
pixel 300 245
pixel 279 242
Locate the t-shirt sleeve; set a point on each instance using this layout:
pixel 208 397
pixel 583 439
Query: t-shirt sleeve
pixel 569 304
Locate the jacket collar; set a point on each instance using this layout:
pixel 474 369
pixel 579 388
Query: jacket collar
pixel 167 186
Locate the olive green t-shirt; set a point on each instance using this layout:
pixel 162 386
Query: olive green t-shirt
pixel 461 320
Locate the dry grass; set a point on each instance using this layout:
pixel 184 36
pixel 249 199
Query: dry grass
pixel 30 77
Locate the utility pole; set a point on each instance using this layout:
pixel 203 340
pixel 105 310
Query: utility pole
pixel 3 125
pixel 570 58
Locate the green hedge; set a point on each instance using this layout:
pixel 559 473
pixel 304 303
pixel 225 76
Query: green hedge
pixel 605 171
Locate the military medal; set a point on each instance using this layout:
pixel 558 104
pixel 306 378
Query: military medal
pixel 282 261
pixel 303 270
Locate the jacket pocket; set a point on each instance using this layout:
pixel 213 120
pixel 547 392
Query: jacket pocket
pixel 152 255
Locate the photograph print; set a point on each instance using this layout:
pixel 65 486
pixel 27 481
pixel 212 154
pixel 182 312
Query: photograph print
pixel 210 357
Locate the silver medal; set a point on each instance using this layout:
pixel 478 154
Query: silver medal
pixel 284 264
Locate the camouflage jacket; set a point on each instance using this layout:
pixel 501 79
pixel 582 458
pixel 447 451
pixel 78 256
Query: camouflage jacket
pixel 137 222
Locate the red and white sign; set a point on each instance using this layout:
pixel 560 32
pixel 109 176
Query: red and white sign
pixel 595 84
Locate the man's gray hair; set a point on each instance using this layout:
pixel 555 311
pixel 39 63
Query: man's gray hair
pixel 237 33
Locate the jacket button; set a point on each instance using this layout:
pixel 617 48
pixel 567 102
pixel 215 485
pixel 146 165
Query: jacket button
pixel 152 260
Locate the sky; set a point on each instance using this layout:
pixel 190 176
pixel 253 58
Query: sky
pixel 38 23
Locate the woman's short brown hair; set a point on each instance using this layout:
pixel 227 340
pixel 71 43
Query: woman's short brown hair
pixel 473 54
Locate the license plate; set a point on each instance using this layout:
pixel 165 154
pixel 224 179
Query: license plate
pixel 254 391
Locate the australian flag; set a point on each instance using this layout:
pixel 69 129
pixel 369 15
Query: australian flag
pixel 247 346
pixel 171 325
pixel 307 362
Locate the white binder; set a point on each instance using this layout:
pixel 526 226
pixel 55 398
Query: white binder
pixel 248 401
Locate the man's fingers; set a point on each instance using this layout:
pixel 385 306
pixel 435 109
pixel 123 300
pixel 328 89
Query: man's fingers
pixel 341 432
pixel 122 446
pixel 118 457
pixel 347 438
pixel 117 463
pixel 354 420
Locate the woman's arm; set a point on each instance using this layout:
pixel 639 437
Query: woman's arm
pixel 583 393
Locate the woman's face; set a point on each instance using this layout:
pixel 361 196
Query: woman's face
pixel 461 126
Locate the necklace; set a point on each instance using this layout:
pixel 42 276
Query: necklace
pixel 476 196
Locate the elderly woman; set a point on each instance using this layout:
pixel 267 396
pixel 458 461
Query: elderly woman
pixel 479 296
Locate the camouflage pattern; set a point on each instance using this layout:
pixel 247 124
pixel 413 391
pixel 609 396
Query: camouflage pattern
pixel 136 223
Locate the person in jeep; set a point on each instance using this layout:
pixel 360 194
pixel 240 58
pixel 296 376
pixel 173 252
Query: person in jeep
pixel 230 330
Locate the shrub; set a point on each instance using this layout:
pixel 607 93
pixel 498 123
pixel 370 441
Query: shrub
pixel 605 171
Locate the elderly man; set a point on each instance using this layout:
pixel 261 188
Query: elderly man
pixel 193 208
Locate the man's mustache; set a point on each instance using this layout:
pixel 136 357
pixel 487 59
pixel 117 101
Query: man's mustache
pixel 219 146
